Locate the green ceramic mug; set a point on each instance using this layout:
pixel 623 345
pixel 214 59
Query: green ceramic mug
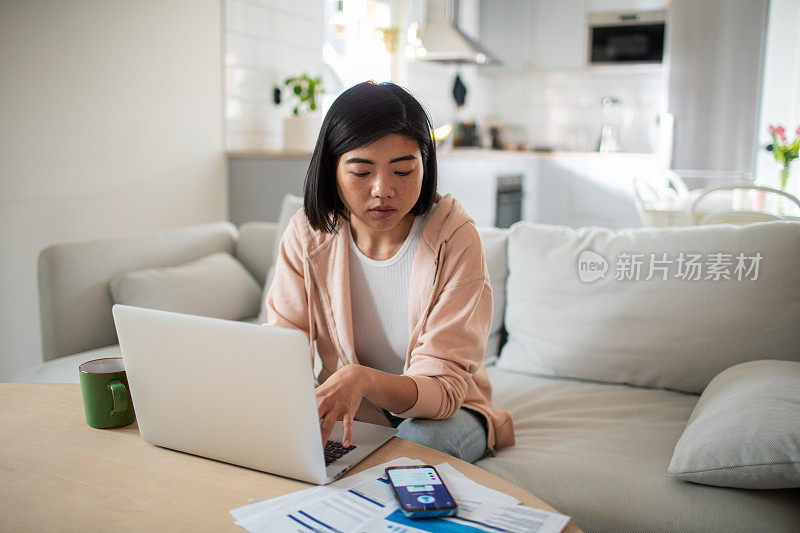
pixel 106 396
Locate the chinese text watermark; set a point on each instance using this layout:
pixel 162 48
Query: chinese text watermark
pixel 685 266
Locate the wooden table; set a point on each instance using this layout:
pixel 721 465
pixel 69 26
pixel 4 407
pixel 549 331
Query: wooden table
pixel 57 473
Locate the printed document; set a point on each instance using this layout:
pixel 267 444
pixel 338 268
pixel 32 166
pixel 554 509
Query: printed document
pixel 364 502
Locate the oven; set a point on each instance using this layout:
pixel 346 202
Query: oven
pixel 508 200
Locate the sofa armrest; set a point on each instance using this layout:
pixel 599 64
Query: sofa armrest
pixel 74 300
pixel 63 369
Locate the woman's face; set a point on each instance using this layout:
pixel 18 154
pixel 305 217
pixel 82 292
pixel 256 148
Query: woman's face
pixel 380 182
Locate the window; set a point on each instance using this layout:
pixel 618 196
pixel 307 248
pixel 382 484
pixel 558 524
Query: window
pixel 358 44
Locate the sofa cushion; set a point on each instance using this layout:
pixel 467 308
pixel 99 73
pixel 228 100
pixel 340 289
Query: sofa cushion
pixel 745 430
pixel 575 308
pixel 289 206
pixel 598 452
pixel 495 242
pixel 216 286
pixel 254 248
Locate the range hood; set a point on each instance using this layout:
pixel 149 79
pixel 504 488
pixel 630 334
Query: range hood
pixel 444 42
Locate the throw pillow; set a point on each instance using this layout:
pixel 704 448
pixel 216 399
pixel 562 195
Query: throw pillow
pixel 216 286
pixel 659 307
pixel 494 249
pixel 744 431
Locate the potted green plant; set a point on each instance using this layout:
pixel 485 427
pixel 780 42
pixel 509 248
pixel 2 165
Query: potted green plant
pixel 301 128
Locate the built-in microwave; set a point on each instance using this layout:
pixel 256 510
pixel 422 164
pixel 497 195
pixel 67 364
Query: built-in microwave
pixel 629 37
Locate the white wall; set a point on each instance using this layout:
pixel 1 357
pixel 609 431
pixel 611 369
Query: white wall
pixel 266 41
pixel 111 118
pixel 780 96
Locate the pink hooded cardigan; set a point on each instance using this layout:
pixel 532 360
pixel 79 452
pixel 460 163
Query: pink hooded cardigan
pixel 450 311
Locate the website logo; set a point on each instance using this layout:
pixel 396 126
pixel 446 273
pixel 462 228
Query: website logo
pixel 591 266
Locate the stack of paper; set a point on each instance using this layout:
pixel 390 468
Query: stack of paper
pixel 365 502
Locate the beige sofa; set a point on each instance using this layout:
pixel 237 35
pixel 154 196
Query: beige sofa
pixel 598 402
pixel 75 301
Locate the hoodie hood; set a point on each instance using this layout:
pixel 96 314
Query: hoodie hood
pixel 447 216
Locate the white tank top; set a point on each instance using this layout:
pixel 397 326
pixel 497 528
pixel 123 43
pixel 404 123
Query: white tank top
pixel 379 299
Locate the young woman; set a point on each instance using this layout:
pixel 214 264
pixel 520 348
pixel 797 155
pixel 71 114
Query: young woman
pixel 390 280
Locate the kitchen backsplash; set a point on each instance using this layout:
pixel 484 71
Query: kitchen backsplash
pixel 562 109
pixel 432 84
pixel 266 41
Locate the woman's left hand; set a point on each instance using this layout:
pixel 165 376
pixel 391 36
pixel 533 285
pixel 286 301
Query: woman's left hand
pixel 338 399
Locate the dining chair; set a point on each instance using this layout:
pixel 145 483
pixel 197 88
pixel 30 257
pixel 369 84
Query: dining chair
pixel 748 203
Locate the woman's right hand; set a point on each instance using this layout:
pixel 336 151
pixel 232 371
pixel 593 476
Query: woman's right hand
pixel 338 399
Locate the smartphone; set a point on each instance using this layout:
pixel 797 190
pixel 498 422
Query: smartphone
pixel 420 491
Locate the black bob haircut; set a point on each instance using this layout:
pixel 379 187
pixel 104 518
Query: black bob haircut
pixel 361 115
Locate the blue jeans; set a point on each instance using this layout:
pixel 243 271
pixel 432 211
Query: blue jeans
pixel 463 435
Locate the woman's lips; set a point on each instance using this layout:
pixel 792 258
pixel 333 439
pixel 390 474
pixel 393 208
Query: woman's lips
pixel 382 212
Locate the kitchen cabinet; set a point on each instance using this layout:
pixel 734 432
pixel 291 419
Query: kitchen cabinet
pixel 257 183
pixel 564 188
pixel 716 51
pixel 625 5
pixel 473 179
pixel 559 34
pixel 546 34
pixel 505 30
pixel 590 189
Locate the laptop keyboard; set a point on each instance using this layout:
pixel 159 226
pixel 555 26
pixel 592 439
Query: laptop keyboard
pixel 334 450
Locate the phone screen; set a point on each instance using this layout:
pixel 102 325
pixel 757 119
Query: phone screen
pixel 420 488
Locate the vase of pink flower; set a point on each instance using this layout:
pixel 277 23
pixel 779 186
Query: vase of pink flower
pixel 784 151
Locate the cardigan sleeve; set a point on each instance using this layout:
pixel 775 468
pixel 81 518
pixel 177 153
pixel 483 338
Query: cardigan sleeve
pixel 287 299
pixel 454 334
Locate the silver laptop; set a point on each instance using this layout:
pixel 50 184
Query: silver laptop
pixel 235 392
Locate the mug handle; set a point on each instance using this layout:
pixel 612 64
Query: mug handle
pixel 119 394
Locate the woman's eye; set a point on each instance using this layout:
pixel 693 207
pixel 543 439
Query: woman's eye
pixel 367 173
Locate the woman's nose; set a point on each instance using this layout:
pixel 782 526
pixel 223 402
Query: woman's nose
pixel 382 187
